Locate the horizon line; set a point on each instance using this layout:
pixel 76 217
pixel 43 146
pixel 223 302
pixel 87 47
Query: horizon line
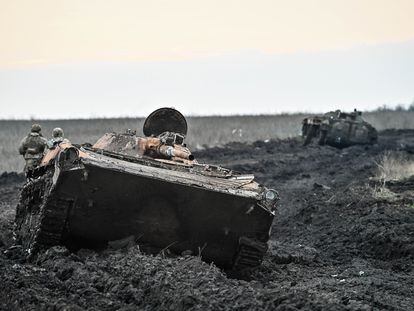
pixel 383 108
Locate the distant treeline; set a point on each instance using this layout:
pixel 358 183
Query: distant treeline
pixel 399 107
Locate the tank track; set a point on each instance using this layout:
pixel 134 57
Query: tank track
pixel 250 254
pixel 40 216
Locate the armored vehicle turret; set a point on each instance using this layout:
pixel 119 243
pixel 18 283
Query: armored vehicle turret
pixel 338 129
pixel 150 189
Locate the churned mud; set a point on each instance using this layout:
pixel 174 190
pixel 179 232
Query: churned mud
pixel 340 241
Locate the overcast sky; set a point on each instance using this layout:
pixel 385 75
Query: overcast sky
pixel 83 58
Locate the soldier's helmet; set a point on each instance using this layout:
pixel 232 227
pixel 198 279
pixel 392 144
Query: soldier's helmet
pixel 36 128
pixel 57 132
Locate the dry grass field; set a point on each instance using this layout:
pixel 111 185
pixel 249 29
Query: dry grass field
pixel 203 131
pixel 395 165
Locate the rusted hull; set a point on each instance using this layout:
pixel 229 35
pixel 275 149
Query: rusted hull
pixel 147 189
pixel 109 204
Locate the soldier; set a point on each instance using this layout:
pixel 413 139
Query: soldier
pixel 32 147
pixel 57 138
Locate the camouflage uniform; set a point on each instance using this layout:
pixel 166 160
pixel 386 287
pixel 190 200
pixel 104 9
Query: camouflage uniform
pixel 32 147
pixel 57 138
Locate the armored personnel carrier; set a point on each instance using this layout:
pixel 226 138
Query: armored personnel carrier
pixel 151 189
pixel 339 129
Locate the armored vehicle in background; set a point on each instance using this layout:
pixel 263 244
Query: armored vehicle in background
pixel 339 129
pixel 150 189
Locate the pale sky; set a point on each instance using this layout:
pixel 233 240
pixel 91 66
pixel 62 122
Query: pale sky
pixel 44 41
pixel 44 31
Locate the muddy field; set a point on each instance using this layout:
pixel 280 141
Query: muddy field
pixel 340 241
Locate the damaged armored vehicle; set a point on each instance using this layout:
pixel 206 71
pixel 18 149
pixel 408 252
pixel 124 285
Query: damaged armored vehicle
pixel 150 188
pixel 338 129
